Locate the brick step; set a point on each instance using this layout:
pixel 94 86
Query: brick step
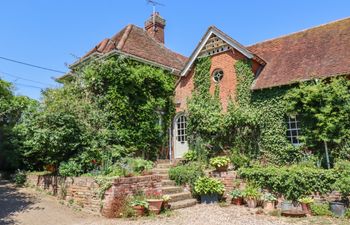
pixel 163 161
pixel 168 183
pixel 164 176
pixel 160 171
pixel 180 196
pixel 183 203
pixel 164 165
pixel 171 189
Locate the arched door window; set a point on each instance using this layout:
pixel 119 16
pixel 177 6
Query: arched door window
pixel 181 129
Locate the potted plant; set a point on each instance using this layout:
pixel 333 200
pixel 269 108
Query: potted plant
pixel 306 204
pixel 237 197
pixel 220 163
pixel 251 195
pixel 269 201
pixel 155 201
pixel 166 199
pixel 139 206
pixel 209 189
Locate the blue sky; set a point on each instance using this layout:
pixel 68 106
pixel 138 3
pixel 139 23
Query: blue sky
pixel 49 33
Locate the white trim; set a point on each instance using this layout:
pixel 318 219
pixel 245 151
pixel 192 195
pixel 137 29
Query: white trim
pixel 204 41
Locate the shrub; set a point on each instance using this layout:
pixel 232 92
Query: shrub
pixel 238 159
pixel 293 182
pixel 190 156
pixel 138 165
pixel 236 193
pixel 70 169
pixel 306 200
pixel 207 185
pixel 20 178
pixel 320 209
pixel 252 192
pixel 343 185
pixel 268 197
pixel 219 161
pixel 186 174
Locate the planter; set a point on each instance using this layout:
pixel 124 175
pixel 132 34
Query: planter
pixel 269 206
pixel 221 168
pixel 210 198
pixel 251 202
pixel 306 208
pixel 155 205
pixel 139 210
pixel 237 201
pixel 338 208
pixel 286 206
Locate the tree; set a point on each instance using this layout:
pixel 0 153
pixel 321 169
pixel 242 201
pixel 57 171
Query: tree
pixel 325 107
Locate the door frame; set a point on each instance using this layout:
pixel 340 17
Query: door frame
pixel 174 133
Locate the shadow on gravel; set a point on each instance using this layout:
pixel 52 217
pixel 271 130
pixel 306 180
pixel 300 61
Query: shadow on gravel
pixel 11 201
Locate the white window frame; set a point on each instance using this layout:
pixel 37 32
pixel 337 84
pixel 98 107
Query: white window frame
pixel 216 71
pixel 181 126
pixel 293 130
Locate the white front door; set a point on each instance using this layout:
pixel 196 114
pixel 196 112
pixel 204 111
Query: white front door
pixel 180 136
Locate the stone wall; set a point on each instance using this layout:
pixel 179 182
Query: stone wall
pixel 84 191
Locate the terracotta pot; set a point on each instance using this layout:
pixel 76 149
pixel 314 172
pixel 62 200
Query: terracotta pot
pixel 139 210
pixel 306 208
pixel 269 206
pixel 221 168
pixel 155 205
pixel 237 201
pixel 251 202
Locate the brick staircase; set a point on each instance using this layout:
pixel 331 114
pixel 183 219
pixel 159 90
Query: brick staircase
pixel 180 198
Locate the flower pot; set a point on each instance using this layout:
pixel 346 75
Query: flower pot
pixel 269 205
pixel 209 198
pixel 306 208
pixel 221 168
pixel 251 202
pixel 155 205
pixel 338 208
pixel 286 205
pixel 139 210
pixel 237 201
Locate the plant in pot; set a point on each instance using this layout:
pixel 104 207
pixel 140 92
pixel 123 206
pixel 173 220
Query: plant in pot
pixel 209 189
pixel 166 199
pixel 342 185
pixel 306 204
pixel 237 197
pixel 269 201
pixel 220 163
pixel 155 201
pixel 251 195
pixel 139 206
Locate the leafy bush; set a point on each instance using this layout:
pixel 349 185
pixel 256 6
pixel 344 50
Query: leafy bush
pixel 306 200
pixel 236 193
pixel 320 209
pixel 186 174
pixel 238 159
pixel 219 161
pixel 190 156
pixel 269 197
pixel 20 178
pixel 138 165
pixel 293 182
pixel 207 185
pixel 343 185
pixel 70 169
pixel 252 192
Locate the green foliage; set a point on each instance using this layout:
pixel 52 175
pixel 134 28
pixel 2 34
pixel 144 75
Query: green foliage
pixel 291 181
pixel 186 174
pixel 138 165
pixel 342 184
pixel 306 200
pixel 190 156
pixel 104 184
pixel 70 169
pixel 245 78
pixel 320 209
pixel 207 185
pixel 251 191
pixel 20 178
pixel 136 202
pixel 219 161
pixel 236 193
pixel 269 197
pixel 239 159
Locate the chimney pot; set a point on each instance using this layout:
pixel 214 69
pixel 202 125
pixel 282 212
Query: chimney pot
pixel 155 27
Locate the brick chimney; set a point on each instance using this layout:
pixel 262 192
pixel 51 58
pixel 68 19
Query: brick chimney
pixel 155 27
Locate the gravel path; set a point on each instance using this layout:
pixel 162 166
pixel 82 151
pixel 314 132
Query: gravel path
pixel 28 207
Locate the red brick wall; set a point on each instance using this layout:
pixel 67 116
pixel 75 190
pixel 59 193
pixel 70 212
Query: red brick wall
pixel 224 61
pixel 84 190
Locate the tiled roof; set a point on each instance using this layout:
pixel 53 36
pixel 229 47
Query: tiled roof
pixel 135 41
pixel 318 52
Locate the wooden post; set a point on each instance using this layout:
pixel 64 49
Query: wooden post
pixel 327 155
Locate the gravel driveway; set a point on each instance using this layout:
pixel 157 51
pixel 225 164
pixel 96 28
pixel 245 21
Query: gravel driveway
pixel 28 207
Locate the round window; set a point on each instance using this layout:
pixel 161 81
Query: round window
pixel 218 75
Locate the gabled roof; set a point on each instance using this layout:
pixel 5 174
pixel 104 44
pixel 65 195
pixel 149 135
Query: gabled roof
pixel 212 30
pixel 135 41
pixel 318 52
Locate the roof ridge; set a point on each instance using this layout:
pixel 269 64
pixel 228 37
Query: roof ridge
pixel 297 32
pixel 124 37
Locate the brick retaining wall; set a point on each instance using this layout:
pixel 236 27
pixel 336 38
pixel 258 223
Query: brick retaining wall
pixel 83 191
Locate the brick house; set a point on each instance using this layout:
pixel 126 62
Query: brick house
pixel 319 52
